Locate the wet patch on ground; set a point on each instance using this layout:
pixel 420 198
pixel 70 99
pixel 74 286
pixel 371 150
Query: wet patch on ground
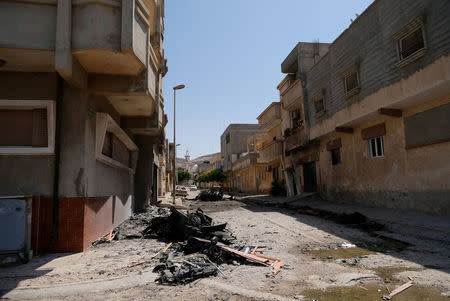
pixel 340 253
pixel 369 292
pixel 388 274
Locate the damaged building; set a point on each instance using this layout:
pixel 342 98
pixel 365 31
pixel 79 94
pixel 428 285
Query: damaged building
pixel 81 118
pixel 366 117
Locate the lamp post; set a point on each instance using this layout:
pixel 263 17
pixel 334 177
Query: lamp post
pixel 179 87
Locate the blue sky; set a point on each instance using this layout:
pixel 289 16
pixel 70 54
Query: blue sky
pixel 228 54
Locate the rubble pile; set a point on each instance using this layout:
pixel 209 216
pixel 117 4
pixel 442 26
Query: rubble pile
pixel 179 226
pixel 196 245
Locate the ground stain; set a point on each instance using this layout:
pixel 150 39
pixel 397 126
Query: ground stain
pixel 370 292
pixel 341 253
pixel 389 273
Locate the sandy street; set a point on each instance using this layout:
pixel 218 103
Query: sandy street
pixel 317 267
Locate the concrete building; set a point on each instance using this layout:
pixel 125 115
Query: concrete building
pixel 377 109
pixel 233 146
pixel 81 116
pixel 271 150
pixel 294 116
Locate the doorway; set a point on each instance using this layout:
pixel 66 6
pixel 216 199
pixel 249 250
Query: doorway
pixel 309 176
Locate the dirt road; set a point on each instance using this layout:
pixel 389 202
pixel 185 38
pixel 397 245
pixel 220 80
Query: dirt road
pixel 316 266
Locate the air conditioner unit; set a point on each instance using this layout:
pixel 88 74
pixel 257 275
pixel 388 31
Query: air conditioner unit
pixel 268 168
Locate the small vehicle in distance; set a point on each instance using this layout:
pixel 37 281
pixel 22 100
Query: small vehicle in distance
pixel 181 190
pixel 193 188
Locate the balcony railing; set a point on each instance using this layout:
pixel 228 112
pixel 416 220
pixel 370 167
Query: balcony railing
pixel 295 140
pixel 292 98
pixel 245 161
pixel 270 151
pixel 270 117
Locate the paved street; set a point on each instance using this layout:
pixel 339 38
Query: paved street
pixel 316 267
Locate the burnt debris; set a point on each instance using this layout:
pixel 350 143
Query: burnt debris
pixel 196 247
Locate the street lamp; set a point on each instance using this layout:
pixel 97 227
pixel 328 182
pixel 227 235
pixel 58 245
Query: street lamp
pixel 179 87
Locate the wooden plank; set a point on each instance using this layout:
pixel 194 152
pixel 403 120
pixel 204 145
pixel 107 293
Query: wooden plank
pixel 166 247
pixel 266 257
pixel 254 249
pixel 390 112
pixel 250 257
pixel 401 288
pixel 277 267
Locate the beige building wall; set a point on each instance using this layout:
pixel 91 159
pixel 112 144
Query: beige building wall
pixel 416 178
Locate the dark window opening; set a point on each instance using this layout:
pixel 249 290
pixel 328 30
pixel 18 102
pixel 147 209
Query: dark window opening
pixel 351 82
pixel 227 138
pixel 411 43
pixel 116 149
pixel 24 128
pixel 335 156
pixel 319 106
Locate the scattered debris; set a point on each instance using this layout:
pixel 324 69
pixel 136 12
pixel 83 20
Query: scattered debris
pixel 179 226
pixel 107 238
pixel 210 195
pixel 196 245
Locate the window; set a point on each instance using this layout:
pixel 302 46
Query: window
pixel 295 117
pixel 411 44
pixel 335 156
pixel 113 146
pixel 351 82
pixel 26 127
pixel 227 138
pixel 375 147
pixel 318 105
pixel 116 149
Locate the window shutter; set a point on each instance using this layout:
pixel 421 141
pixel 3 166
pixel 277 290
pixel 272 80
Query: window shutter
pixel 40 131
pixel 373 131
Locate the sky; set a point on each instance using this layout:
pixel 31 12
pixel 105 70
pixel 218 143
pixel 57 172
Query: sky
pixel 228 54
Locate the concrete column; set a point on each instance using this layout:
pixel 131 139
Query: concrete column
pixel 144 187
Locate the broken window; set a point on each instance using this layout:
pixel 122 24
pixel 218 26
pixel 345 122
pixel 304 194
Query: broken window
pixel 295 117
pixel 335 156
pixel 411 44
pixel 351 82
pixel 318 105
pixel 376 147
pixel 227 138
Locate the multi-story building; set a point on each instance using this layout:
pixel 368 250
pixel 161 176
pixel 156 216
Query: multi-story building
pixel 81 116
pixel 271 150
pixel 294 116
pixel 377 109
pixel 233 143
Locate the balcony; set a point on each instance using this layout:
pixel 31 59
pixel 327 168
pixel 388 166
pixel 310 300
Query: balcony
pixel 295 140
pixel 292 97
pixel 270 152
pixel 108 37
pixel 270 117
pixel 245 161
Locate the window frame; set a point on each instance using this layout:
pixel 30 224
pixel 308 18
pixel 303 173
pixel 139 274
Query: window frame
pixel 379 148
pixel 404 32
pixel 399 44
pixel 105 123
pixel 49 105
pixel 347 91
